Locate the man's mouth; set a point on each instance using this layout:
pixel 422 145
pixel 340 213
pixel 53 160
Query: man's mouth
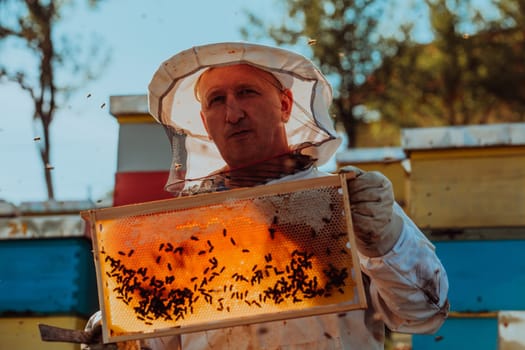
pixel 238 133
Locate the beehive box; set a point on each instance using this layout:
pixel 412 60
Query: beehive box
pixel 47 276
pixel 225 259
pixel 467 177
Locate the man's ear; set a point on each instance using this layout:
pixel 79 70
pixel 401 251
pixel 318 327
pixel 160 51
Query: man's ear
pixel 203 118
pixel 286 104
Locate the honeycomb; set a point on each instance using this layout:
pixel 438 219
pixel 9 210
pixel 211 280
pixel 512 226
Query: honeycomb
pixel 234 261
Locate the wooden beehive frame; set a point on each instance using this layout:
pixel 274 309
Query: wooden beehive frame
pixel 340 293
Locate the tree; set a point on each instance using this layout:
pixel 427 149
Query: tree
pixel 343 39
pixel 471 73
pixel 504 38
pixel 28 29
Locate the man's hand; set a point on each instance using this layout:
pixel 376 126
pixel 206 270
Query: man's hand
pixel 94 327
pixel 377 227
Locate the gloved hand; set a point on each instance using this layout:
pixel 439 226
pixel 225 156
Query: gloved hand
pixel 377 227
pixel 94 326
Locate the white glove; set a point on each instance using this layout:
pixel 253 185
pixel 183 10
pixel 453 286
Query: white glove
pixel 377 227
pixel 94 325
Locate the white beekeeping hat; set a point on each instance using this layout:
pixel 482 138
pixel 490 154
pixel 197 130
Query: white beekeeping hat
pixel 173 103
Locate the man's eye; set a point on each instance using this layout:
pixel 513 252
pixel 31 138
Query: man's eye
pixel 247 92
pixel 216 100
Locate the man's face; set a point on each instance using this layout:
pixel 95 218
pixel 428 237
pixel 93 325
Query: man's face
pixel 244 112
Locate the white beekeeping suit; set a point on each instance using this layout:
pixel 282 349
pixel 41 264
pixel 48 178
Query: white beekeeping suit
pixel 405 283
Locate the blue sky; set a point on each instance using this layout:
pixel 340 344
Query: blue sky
pixel 141 34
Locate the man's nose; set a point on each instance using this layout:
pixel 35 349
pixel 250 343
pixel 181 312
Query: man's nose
pixel 234 111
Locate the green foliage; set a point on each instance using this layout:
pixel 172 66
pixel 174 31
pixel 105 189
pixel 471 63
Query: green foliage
pixel 458 78
pixel 471 72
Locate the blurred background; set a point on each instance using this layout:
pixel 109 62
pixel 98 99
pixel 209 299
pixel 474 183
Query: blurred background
pixel 393 64
pixel 411 79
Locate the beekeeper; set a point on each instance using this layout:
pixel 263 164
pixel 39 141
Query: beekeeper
pixel 240 115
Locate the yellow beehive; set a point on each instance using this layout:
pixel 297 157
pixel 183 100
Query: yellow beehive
pixel 466 177
pixel 22 332
pixel 226 258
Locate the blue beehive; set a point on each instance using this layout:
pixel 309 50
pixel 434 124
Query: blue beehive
pixel 46 265
pixel 47 276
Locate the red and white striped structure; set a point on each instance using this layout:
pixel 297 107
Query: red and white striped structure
pixel 144 152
